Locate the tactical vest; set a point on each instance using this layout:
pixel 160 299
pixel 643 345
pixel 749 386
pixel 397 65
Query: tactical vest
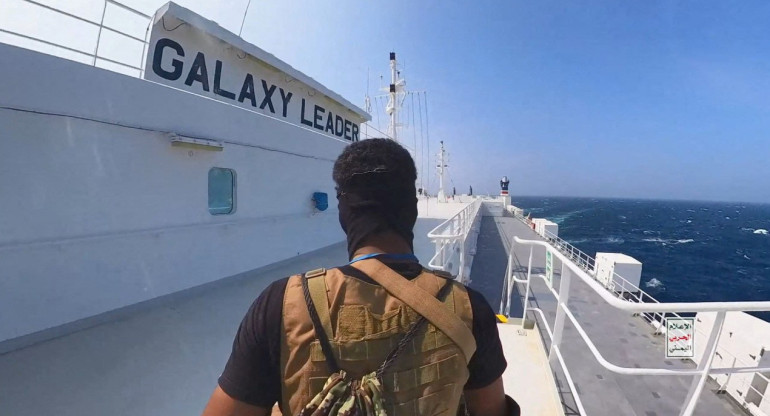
pixel 367 322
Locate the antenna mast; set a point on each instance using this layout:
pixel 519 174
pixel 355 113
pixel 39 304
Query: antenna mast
pixel 441 171
pixel 395 89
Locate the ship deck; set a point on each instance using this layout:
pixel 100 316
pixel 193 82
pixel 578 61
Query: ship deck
pixel 158 358
pixel 164 356
pixel 621 338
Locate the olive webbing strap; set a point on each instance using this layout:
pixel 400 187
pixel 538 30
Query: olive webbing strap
pixel 317 288
pixel 320 333
pixel 410 334
pixel 423 302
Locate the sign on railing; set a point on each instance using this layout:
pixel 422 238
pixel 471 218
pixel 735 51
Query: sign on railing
pixel 549 268
pixel 681 331
pixel 680 337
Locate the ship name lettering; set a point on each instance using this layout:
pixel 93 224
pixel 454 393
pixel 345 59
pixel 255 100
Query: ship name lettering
pixel 198 73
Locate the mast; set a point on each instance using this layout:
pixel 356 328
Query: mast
pixel 441 171
pixel 395 89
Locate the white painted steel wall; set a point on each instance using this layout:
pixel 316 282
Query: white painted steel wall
pixel 745 342
pixel 95 216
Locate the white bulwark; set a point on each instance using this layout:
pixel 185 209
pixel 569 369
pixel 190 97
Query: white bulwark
pixel 120 190
pixel 192 53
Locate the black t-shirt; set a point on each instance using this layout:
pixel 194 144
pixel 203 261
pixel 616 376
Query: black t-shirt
pixel 252 374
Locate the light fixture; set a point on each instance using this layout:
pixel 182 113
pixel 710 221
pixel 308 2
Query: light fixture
pixel 200 144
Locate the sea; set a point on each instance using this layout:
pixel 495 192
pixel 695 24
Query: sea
pixel 691 251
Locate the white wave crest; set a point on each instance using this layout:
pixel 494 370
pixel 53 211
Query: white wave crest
pixel 653 283
pixel 667 241
pixel 761 231
pixel 615 240
pixel 654 240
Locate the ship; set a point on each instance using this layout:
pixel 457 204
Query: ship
pixel 146 204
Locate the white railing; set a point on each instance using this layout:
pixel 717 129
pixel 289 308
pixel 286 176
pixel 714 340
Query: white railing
pixel 704 368
pixel 619 285
pixel 94 55
pixel 452 238
pixel 580 258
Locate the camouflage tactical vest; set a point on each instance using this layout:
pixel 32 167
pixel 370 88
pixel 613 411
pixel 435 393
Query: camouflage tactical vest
pixel 364 324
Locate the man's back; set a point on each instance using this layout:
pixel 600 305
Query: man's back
pixel 366 323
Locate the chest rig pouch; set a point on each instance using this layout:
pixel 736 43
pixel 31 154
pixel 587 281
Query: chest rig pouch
pixel 342 396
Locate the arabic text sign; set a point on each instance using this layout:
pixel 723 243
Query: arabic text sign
pixel 680 337
pixel 549 268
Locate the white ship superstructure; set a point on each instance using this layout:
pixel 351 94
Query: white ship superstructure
pixel 141 216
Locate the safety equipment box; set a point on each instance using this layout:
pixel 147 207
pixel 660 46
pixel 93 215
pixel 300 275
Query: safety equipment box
pixel 627 267
pixel 546 228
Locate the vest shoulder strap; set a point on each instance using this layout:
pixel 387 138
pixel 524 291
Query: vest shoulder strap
pixel 422 302
pixel 316 282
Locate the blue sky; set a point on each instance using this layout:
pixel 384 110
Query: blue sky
pixel 631 99
pixel 654 99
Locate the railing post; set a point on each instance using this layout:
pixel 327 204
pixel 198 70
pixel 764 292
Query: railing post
pixel 461 272
pixel 526 292
pixel 561 303
pixel 99 36
pixel 505 296
pixel 705 365
pixel 144 48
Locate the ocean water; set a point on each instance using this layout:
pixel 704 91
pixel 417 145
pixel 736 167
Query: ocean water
pixel 690 251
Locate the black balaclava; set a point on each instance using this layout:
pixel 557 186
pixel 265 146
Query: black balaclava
pixel 376 201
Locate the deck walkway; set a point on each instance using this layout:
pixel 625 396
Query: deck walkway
pixel 162 358
pixel 622 339
pixel 523 349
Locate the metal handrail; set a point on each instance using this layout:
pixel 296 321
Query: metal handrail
pixel 95 54
pixel 704 367
pixel 451 233
pixel 631 291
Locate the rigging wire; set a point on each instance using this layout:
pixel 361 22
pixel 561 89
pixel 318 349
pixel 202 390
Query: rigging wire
pixel 377 107
pixel 245 12
pixel 163 22
pixel 427 126
pixel 422 140
pixel 411 127
pixel 386 135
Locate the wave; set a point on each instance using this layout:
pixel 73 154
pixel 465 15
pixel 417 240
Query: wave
pixel 614 240
pixel 577 240
pixel 653 283
pixel 761 231
pixel 664 241
pixel 648 232
pixel 654 240
pixel 561 217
